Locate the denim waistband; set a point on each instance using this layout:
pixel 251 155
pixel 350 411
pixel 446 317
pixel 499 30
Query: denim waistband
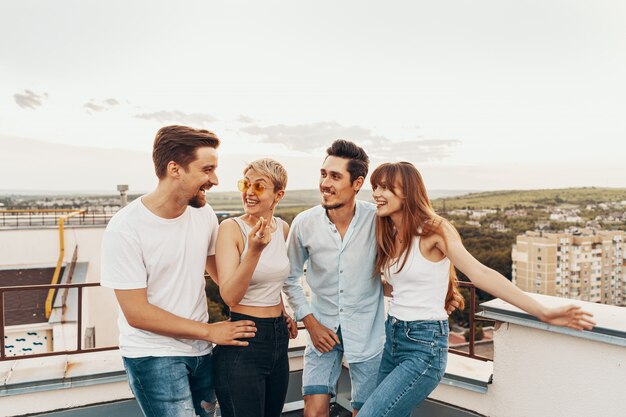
pixel 258 321
pixel 441 325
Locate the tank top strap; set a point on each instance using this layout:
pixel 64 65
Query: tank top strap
pixel 282 224
pixel 244 232
pixel 245 229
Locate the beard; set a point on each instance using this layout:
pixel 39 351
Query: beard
pixel 197 201
pixel 333 206
pixel 330 206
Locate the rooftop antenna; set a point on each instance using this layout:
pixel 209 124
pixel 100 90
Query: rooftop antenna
pixel 123 188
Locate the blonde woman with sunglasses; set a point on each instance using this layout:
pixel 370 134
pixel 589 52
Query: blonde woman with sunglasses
pixel 252 266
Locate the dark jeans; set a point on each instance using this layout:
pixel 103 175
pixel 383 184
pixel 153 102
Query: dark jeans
pixel 251 381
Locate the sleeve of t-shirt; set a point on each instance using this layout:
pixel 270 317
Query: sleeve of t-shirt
pixel 122 266
pixel 212 233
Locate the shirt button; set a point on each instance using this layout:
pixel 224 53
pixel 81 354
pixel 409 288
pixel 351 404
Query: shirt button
pixel 341 271
pixel 340 291
pixel 334 230
pixel 341 309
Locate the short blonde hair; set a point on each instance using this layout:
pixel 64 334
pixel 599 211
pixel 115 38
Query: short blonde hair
pixel 271 169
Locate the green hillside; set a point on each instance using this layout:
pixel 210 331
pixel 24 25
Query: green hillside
pixel 532 198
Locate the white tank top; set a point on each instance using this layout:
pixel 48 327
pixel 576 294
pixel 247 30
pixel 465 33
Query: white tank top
pixel 271 271
pixel 419 290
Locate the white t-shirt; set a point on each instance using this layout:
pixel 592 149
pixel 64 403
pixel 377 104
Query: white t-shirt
pixel 168 257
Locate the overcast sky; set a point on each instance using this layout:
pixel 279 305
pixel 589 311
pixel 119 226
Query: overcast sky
pixel 478 94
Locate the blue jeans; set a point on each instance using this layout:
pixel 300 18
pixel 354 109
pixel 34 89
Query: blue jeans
pixel 414 361
pixel 172 386
pixel 252 381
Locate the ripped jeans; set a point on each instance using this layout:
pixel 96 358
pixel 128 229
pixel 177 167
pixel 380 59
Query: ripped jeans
pixel 173 386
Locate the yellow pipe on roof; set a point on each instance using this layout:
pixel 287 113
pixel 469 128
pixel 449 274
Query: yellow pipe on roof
pixel 57 271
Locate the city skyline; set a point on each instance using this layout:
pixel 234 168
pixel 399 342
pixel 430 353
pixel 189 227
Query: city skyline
pixel 480 96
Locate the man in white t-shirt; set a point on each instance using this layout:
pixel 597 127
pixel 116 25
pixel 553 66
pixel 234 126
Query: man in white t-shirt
pixel 154 254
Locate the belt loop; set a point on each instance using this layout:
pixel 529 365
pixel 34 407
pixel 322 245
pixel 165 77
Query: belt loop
pixel 441 327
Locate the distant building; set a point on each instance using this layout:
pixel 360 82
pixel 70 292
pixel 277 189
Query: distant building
pixel 542 224
pixel 498 226
pixel 479 214
pixel 516 213
pixel 588 265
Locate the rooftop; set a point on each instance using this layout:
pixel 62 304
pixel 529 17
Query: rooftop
pixel 538 369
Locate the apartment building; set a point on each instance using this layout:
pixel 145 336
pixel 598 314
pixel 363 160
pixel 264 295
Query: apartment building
pixel 588 265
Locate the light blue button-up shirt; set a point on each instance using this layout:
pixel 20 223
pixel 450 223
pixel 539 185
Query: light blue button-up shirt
pixel 346 290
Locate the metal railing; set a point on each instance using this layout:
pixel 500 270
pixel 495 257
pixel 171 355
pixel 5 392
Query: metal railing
pixel 51 217
pixel 79 320
pixel 472 330
pixel 79 287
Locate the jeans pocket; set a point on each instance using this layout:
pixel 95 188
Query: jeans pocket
pixel 425 337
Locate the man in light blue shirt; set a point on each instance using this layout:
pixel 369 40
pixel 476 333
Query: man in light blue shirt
pixel 346 316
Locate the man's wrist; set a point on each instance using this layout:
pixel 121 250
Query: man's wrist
pixel 207 333
pixel 309 320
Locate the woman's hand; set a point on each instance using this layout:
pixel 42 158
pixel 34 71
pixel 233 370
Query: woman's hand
pixel 292 326
pixel 259 236
pixel 571 316
pixel 455 301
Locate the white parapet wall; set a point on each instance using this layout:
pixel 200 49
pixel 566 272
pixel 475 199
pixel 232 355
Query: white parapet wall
pixel 38 385
pixel 541 370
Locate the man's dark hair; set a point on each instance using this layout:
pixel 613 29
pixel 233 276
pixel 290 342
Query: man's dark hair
pixel 358 161
pixel 179 144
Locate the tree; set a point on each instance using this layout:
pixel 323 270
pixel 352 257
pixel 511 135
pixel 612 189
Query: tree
pixel 479 334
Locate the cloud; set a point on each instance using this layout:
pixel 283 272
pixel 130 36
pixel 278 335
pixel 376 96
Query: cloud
pixel 245 119
pixel 416 151
pixel 29 100
pixel 176 116
pixel 315 136
pixel 101 106
pixel 94 107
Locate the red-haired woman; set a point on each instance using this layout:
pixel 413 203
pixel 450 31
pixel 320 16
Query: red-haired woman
pixel 416 251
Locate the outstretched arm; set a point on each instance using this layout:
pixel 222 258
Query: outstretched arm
pixel 496 284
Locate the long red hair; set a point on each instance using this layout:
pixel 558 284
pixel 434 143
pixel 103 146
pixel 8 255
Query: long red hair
pixel 418 217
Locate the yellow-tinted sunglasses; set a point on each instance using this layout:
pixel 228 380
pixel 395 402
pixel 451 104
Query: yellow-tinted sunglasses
pixel 257 188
